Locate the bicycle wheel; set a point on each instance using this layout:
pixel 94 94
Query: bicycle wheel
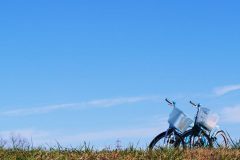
pixel 220 140
pixel 170 139
pixel 197 140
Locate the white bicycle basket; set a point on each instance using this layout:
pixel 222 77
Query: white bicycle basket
pixel 207 119
pixel 179 120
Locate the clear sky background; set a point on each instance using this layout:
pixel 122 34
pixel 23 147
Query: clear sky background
pixel 98 71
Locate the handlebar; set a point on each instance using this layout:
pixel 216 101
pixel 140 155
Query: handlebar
pixel 194 104
pixel 170 103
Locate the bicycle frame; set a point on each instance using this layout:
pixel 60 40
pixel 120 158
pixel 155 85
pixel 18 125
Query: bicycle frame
pixel 198 129
pixel 171 129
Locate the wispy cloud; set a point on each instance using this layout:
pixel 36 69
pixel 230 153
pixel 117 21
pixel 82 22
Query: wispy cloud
pixel 88 104
pixel 148 129
pixel 27 133
pixel 36 137
pixel 112 134
pixel 40 137
pixel 231 114
pixel 220 91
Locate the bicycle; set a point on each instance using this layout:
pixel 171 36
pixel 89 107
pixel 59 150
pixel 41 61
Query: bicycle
pixel 172 137
pixel 204 132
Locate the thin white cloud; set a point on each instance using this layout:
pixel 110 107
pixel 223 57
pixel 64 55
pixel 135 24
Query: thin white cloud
pixel 88 104
pixel 220 91
pixel 36 110
pixel 154 126
pixel 111 134
pixel 231 114
pixel 23 133
pixel 31 136
pixel 51 137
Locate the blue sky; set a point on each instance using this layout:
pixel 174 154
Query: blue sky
pixel 98 71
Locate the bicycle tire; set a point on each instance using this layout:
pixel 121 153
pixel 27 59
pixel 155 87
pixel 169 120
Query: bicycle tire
pixel 189 140
pixel 223 143
pixel 177 144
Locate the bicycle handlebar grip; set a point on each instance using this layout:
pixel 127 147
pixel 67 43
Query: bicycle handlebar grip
pixel 193 103
pixel 168 101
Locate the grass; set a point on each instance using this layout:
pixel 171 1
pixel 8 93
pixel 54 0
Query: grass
pixel 126 154
pixel 21 149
